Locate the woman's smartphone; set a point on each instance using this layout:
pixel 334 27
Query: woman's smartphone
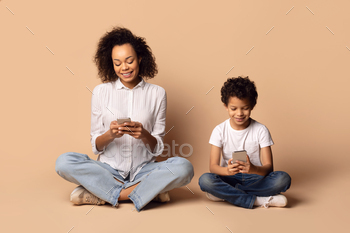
pixel 123 120
pixel 240 155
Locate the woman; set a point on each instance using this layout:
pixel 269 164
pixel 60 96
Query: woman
pixel 125 168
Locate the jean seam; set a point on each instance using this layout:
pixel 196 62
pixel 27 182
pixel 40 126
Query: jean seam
pixel 115 195
pixel 252 202
pixel 135 198
pixel 239 188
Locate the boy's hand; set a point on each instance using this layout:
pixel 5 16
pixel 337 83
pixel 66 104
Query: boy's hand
pixel 245 167
pixel 232 168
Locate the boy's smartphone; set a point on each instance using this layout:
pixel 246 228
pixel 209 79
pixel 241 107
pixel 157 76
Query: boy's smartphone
pixel 240 155
pixel 122 120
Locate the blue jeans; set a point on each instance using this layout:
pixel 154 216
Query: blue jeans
pixel 242 189
pixel 100 178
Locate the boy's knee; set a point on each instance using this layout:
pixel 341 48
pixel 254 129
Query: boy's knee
pixel 206 181
pixel 283 179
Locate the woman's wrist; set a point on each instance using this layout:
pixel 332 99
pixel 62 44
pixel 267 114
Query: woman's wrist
pixel 146 136
pixel 108 135
pixel 149 141
pixel 103 140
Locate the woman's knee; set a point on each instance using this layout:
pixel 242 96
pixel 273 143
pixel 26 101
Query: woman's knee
pixel 183 169
pixel 65 160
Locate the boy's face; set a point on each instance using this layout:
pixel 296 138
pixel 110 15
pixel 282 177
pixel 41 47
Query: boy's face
pixel 239 111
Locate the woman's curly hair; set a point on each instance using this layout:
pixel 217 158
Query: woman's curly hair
pixel 240 87
pixel 120 36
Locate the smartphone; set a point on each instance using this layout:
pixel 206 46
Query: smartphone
pixel 240 155
pixel 122 120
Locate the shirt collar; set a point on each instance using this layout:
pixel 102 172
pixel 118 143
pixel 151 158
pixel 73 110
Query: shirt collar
pixel 120 85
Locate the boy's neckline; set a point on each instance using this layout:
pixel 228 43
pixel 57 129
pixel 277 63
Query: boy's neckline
pixel 240 130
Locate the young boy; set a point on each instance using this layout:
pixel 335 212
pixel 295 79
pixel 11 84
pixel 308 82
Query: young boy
pixel 250 183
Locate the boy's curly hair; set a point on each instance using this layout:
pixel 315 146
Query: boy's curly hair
pixel 240 87
pixel 120 36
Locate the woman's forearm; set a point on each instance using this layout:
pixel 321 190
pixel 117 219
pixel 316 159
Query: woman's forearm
pixel 103 140
pixel 149 141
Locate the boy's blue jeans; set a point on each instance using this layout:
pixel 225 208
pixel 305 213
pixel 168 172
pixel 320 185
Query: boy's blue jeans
pixel 100 178
pixel 242 189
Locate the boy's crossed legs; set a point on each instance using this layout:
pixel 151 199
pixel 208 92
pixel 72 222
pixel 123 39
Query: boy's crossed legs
pixel 245 190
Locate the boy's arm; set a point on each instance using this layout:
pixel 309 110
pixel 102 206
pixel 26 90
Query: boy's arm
pixel 267 163
pixel 266 160
pixel 214 166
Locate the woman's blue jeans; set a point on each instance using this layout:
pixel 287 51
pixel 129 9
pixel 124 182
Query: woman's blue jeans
pixel 100 178
pixel 242 189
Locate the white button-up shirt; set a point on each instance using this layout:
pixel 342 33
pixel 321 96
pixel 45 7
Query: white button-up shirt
pixel 145 103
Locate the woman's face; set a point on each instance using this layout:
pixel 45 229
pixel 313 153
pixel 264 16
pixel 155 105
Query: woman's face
pixel 126 64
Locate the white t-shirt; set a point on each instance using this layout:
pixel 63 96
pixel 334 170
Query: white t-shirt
pixel 251 139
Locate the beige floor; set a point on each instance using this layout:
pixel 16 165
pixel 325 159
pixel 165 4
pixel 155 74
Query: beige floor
pixel 39 202
pixel 297 52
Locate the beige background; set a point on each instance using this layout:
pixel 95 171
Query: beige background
pixel 300 67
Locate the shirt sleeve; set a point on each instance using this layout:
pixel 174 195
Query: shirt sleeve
pixel 96 120
pixel 265 139
pixel 216 137
pixel 159 127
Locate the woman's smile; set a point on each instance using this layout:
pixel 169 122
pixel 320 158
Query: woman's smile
pixel 127 75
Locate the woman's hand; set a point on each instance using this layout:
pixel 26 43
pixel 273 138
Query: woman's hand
pixel 134 129
pixel 114 130
pixel 232 168
pixel 246 167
